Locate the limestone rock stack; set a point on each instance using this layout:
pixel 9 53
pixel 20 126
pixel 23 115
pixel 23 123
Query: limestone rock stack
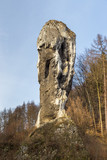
pixel 56 49
pixel 55 137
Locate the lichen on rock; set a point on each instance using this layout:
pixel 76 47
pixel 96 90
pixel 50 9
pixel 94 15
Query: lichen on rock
pixel 56 48
pixel 58 140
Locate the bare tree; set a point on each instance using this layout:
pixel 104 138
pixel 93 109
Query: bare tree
pixel 100 47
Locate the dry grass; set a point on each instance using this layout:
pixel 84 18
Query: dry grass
pixel 96 146
pixel 94 142
pixel 79 114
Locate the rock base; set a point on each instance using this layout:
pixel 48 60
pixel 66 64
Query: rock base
pixel 58 140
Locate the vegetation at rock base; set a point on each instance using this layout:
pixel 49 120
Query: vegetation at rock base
pixel 58 140
pixel 87 107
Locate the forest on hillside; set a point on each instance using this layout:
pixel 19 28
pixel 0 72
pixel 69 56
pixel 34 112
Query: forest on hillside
pixel 89 94
pixel 87 104
pixel 16 125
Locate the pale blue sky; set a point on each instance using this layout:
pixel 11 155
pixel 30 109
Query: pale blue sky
pixel 20 25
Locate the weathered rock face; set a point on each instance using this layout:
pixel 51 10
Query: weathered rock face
pixel 58 140
pixel 56 48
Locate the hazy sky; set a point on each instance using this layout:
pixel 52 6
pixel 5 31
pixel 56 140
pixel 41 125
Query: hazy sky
pixel 20 25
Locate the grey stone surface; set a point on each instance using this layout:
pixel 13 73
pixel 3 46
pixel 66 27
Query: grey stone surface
pixel 56 136
pixel 56 49
pixel 58 140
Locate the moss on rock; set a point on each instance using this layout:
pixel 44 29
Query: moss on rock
pixel 57 140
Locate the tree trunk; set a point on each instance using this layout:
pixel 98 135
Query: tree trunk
pixel 91 108
pixel 105 92
pixel 100 114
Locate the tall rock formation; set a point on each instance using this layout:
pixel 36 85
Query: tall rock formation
pixel 56 48
pixel 59 139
